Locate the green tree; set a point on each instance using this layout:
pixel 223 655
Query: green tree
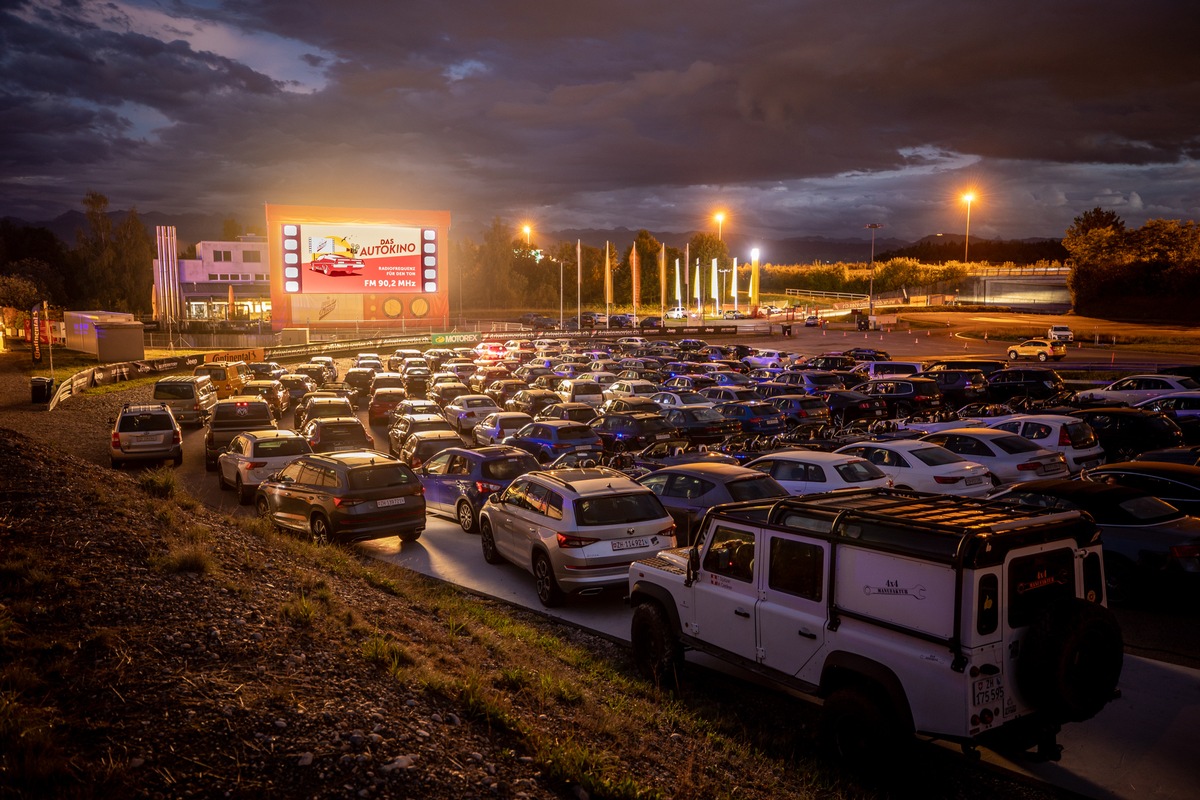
pixel 17 291
pixel 1096 237
pixel 116 260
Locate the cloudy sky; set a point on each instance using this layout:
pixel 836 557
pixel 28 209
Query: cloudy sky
pixel 797 117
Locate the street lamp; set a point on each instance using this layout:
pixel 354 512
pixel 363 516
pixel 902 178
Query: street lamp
pixel 967 198
pixel 527 230
pixel 874 226
pixel 720 218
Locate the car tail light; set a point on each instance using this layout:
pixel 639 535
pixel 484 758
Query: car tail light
pixel 1063 439
pixel 755 419
pixel 667 531
pixel 947 479
pixel 484 487
pixel 560 445
pixel 565 541
pixel 1185 551
pixel 176 437
pixel 255 464
pixel 116 441
pixel 864 405
pixel 1028 465
pixel 347 502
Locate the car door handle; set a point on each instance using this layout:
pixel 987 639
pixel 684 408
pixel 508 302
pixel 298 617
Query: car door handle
pixel 807 635
pixel 742 613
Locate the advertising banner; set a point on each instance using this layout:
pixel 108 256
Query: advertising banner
pixel 443 339
pixel 35 332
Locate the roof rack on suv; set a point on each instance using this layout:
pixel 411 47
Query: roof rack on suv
pixel 569 476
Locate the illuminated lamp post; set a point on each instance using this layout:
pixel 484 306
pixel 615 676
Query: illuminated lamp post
pixel 874 226
pixel 968 198
pixel 527 230
pixel 720 218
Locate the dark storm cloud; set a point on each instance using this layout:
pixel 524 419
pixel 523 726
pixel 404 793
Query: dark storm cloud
pixel 799 116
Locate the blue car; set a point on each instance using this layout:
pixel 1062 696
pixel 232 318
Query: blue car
pixel 547 439
pixel 755 416
pixel 457 481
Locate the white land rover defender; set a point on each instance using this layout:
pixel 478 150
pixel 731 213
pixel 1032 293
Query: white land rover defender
pixel 906 613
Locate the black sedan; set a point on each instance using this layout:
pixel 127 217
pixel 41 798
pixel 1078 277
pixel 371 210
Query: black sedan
pixel 1126 432
pixel 1147 542
pixel 847 406
pixel 1177 484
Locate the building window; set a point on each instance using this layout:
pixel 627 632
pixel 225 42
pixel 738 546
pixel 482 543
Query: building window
pixel 260 277
pixel 212 276
pixel 222 255
pixel 252 256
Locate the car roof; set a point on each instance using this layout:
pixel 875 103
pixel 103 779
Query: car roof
pixel 711 469
pixel 1086 493
pixel 1185 473
pixel 817 456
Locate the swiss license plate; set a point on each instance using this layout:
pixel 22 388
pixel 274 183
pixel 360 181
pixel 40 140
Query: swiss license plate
pixel 662 436
pixel 987 691
pixel 629 544
pixel 974 481
pixel 390 501
pixel 147 438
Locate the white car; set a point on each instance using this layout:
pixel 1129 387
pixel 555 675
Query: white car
pixel 1009 457
pixel 633 342
pixel 924 467
pixel 495 427
pixel 1136 388
pixel 678 312
pixel 811 472
pixel 468 410
pixel 252 457
pixel 1071 436
pixel 680 399
pixel 626 388
pixel 767 358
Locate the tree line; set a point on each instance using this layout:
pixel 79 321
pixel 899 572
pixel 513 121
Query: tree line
pixel 1151 272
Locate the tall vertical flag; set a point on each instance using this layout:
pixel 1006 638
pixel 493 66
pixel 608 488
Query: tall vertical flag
pixel 662 279
pixel 579 280
pixel 716 285
pixel 687 269
pixel 607 278
pixel 635 275
pixel 678 285
pixel 699 292
pixel 733 282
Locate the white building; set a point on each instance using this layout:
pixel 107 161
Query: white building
pixel 222 272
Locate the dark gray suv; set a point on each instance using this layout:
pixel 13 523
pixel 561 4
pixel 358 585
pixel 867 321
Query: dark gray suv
pixel 345 497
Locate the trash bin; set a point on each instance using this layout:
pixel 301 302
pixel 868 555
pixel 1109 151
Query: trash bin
pixel 864 323
pixel 786 329
pixel 41 389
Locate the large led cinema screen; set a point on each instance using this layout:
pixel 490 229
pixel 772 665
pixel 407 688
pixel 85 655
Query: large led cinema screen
pixel 333 267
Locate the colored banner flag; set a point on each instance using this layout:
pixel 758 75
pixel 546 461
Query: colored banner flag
pixel 733 282
pixel 36 321
pixel 635 275
pixel 678 285
pixel 687 269
pixel 662 277
pixel 608 292
pixel 716 281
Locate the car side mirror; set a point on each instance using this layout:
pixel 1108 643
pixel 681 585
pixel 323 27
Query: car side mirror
pixel 493 498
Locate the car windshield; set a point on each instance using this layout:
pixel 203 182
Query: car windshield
pixel 1148 509
pixel 378 476
pixel 509 467
pixel 936 456
pixel 618 509
pixel 692 398
pixel 1015 444
pixel 1080 434
pixel 824 380
pixel 755 488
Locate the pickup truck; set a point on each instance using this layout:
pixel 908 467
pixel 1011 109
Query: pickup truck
pixel 905 613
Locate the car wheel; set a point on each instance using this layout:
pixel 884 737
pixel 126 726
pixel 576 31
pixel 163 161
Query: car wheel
pixel 410 536
pixel 1124 453
pixel 904 410
pixel 262 506
pixel 178 460
pixel 858 726
pixel 466 516
pixel 1012 355
pixel 488 542
pixel 656 651
pixel 245 494
pixel 222 484
pixel 1041 356
pixel 545 457
pixel 548 591
pixel 319 527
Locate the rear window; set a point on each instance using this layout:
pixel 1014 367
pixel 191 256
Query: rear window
pixel 342 430
pixel 131 423
pixel 242 412
pixel 173 391
pixel 1080 434
pixel 936 456
pixel 707 415
pixel 585 388
pixel 755 488
pixel 571 432
pixel 276 448
pixel 619 509
pixel 824 380
pixel 1015 444
pixel 216 373
pixel 509 467
pixel 380 476
pixel 859 471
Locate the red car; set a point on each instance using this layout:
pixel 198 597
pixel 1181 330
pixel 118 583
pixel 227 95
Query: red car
pixel 336 265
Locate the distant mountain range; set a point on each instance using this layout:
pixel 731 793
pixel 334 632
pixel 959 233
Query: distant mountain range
pixel 193 228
